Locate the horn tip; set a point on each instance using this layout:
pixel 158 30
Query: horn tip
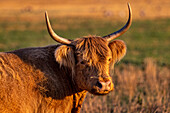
pixel 129 7
pixel 128 4
pixel 46 13
pixel 46 16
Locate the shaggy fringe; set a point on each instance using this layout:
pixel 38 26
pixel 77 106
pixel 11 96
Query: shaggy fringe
pixel 65 56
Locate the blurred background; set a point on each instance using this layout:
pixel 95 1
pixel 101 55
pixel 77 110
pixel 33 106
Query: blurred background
pixel 142 78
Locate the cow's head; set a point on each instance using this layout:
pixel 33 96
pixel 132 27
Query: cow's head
pixel 91 58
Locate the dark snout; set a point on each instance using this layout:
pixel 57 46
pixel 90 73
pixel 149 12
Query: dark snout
pixel 102 87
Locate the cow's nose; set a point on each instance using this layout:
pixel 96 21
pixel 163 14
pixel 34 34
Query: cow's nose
pixel 104 85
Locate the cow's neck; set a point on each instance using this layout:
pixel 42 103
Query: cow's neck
pixel 77 95
pixel 65 89
pixel 55 89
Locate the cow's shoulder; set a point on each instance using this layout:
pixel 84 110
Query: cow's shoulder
pixel 34 50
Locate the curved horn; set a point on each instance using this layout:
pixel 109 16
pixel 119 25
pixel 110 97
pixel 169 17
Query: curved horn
pixel 53 34
pixel 116 34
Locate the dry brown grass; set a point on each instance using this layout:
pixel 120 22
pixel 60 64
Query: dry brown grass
pixel 144 89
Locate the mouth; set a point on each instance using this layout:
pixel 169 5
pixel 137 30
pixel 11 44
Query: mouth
pixel 102 87
pixel 97 91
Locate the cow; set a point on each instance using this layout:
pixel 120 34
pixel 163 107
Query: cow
pixel 56 78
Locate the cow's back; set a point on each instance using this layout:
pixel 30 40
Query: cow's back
pixel 17 83
pixel 23 77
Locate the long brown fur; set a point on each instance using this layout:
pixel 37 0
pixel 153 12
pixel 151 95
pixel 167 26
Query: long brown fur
pixel 93 48
pixel 39 80
pixel 118 48
pixel 65 56
pixel 31 81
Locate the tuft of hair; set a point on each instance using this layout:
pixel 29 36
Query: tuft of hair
pixel 118 48
pixel 64 55
pixel 92 48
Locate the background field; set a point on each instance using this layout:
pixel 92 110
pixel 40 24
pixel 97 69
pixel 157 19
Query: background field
pixel 142 78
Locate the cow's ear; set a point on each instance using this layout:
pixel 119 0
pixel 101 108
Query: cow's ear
pixel 65 56
pixel 118 48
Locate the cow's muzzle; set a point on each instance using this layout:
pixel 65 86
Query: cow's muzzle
pixel 102 87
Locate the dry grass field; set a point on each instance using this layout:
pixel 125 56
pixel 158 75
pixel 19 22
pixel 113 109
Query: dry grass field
pixel 143 89
pixel 33 9
pixel 142 78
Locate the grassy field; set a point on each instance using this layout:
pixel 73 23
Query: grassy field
pixel 137 90
pixel 146 38
pixel 142 78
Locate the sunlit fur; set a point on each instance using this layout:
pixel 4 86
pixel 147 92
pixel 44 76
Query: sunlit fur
pixel 56 78
pixel 31 81
pixel 118 49
pixel 65 56
pixel 93 49
pixel 94 57
pixel 92 54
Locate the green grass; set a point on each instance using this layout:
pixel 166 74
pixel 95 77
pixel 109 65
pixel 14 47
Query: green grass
pixel 145 38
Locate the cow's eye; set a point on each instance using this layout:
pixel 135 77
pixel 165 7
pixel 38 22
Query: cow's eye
pixel 109 59
pixel 82 62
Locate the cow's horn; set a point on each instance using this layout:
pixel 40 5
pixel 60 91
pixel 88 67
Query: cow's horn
pixel 116 34
pixel 53 34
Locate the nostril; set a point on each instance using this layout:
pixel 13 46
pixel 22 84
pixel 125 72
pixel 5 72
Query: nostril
pixel 98 84
pixel 108 83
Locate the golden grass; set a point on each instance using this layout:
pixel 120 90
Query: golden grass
pixel 143 9
pixel 143 89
